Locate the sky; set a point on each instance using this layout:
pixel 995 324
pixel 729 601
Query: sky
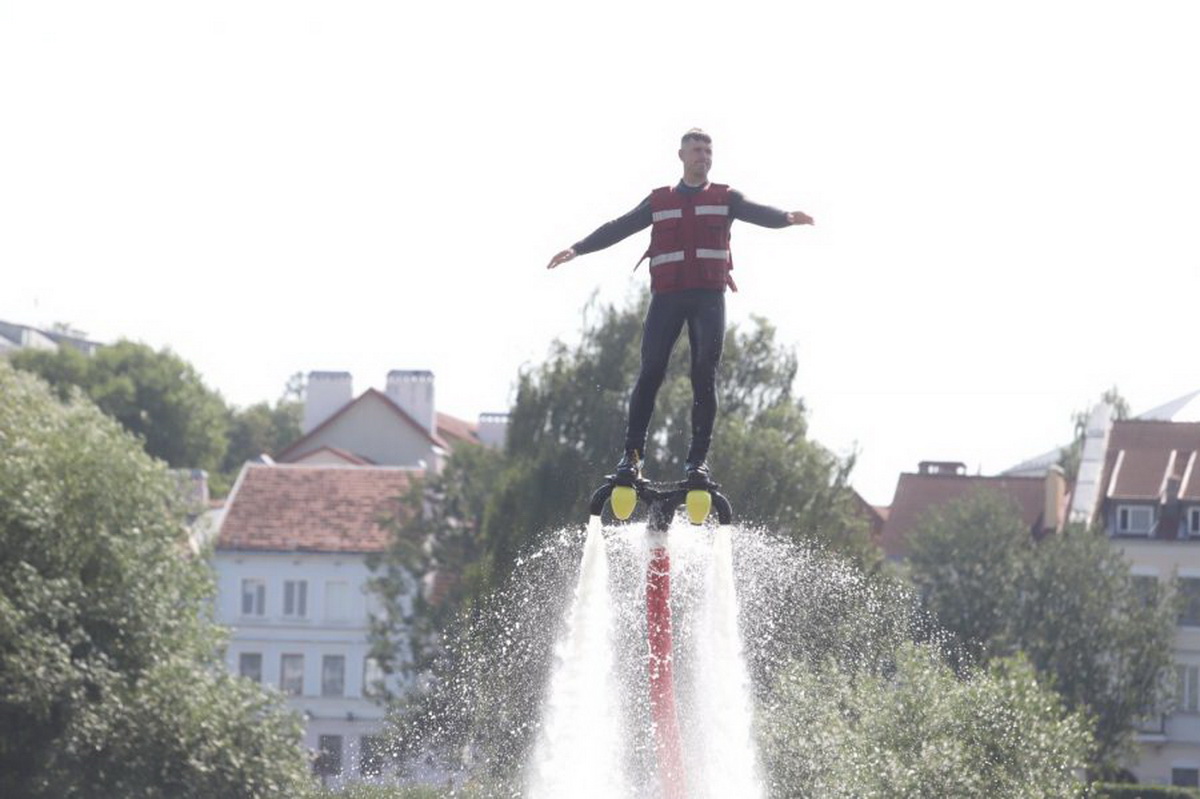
pixel 1006 195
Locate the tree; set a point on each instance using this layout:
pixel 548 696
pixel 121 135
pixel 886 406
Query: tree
pixel 110 679
pixel 921 730
pixel 1068 602
pixel 157 396
pixel 260 429
pixel 568 425
pixel 470 525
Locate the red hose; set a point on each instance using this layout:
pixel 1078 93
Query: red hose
pixel 662 686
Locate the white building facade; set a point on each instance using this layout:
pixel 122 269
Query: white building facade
pixel 1140 480
pixel 292 577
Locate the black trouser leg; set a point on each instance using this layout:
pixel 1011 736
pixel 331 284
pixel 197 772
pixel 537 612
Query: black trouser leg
pixel 664 321
pixel 706 336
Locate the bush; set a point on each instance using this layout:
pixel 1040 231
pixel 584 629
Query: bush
pixel 109 680
pixel 921 731
pixel 1112 791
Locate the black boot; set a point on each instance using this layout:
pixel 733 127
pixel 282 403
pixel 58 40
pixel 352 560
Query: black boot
pixel 629 469
pixel 698 473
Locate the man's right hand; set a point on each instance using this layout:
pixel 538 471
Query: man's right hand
pixel 561 258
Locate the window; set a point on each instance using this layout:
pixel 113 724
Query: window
pixel 1187 687
pixel 1135 519
pixel 371 753
pixel 1193 525
pixel 372 678
pixel 337 600
pixel 329 755
pixel 250 666
pixel 1189 601
pixel 295 598
pixel 254 597
pixel 291 675
pixel 333 675
pixel 1185 777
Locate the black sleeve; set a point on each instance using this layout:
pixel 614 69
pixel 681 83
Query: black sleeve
pixel 755 214
pixel 620 228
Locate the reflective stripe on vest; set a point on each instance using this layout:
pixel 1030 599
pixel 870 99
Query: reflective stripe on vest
pixel 673 213
pixel 712 210
pixel 666 258
pixel 679 255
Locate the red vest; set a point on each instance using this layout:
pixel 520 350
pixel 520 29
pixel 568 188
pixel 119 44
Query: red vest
pixel 689 243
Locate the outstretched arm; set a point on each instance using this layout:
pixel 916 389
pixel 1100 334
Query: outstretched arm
pixel 764 215
pixel 607 234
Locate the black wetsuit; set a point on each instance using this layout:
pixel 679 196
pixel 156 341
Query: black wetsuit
pixel 703 310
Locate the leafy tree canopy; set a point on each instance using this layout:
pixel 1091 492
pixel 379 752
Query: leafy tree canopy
pixel 157 396
pixel 922 730
pixel 1067 602
pixel 464 529
pixel 567 430
pixel 110 681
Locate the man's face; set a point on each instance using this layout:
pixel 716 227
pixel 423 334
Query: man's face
pixel 697 157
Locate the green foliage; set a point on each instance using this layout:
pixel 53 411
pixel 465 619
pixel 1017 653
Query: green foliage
pixel 568 427
pixel 920 731
pixel 471 523
pixel 440 532
pixel 109 680
pixel 157 396
pixel 398 792
pixel 1112 791
pixel 380 792
pixel 1068 602
pixel 259 429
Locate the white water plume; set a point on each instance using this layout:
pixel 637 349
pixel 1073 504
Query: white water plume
pixel 579 749
pixel 723 761
pixel 550 694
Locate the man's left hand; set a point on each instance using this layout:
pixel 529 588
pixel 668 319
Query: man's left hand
pixel 799 218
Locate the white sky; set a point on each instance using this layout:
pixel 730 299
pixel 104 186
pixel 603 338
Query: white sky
pixel 1007 194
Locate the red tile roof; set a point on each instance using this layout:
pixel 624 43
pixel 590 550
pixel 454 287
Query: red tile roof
pixel 296 508
pixel 917 494
pixel 1143 456
pixel 454 430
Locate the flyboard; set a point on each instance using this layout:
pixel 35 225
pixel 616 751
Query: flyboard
pixel 662 500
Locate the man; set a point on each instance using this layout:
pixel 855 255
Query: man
pixel 689 270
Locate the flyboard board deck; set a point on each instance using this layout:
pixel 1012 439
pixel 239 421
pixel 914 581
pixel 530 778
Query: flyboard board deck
pixel 700 498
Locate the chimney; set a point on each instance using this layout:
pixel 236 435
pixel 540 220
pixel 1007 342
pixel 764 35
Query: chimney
pixel 493 427
pixel 1053 500
pixel 953 468
pixel 412 390
pixel 325 394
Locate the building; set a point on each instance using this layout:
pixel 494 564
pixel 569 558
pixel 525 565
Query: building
pixel 14 337
pixel 290 559
pixel 1042 500
pixel 292 547
pixel 399 426
pixel 1140 480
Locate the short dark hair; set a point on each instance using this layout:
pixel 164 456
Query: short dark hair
pixel 695 134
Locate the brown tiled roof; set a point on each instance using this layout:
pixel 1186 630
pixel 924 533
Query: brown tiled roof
pixel 1144 455
pixel 297 447
pixel 454 430
pixel 296 508
pixel 917 494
